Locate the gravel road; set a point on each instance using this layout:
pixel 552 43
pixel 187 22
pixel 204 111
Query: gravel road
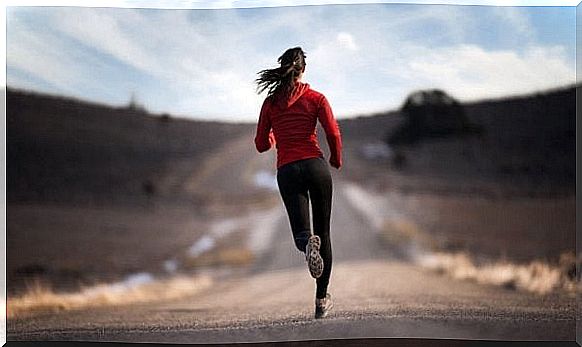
pixel 378 290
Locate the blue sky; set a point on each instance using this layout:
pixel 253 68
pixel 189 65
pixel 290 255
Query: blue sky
pixel 365 58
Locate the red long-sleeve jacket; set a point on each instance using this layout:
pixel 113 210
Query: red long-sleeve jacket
pixel 290 125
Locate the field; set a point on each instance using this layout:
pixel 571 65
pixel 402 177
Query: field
pixel 100 195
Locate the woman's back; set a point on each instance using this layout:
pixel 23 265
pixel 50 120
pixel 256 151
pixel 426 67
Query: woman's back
pixel 293 122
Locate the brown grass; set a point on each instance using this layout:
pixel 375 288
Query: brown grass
pixel 230 256
pixel 536 276
pixel 40 298
pixel 402 230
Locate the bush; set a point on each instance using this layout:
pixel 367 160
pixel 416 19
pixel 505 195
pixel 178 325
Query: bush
pixel 431 113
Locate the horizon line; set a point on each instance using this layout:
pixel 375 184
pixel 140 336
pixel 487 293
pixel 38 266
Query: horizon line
pixel 567 86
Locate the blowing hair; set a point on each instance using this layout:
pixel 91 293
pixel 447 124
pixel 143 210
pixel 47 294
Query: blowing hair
pixel 282 79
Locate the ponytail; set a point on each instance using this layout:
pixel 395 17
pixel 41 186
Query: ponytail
pixel 282 79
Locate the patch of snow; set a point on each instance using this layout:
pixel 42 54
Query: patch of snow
pixel 371 206
pixel 263 227
pixel 376 150
pixel 131 281
pixel 225 226
pixel 203 244
pixel 266 179
pixel 171 265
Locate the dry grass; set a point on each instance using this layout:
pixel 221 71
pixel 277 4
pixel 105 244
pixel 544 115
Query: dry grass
pixel 40 298
pixel 537 276
pixel 220 257
pixel 402 230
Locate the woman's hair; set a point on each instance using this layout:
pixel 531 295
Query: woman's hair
pixel 282 79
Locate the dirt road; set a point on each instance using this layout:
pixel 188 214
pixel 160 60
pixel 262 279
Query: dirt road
pixel 378 292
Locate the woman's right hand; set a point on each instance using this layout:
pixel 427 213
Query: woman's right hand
pixel 335 163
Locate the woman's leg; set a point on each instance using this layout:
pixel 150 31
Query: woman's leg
pixel 320 190
pixel 296 199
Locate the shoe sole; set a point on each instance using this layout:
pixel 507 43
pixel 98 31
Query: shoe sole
pixel 324 314
pixel 314 259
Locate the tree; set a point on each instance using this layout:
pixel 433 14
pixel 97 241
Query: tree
pixel 431 113
pixel 134 105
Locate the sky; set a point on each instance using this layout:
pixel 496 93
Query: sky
pixel 366 58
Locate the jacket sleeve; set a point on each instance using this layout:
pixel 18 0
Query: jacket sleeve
pixel 332 132
pixel 264 138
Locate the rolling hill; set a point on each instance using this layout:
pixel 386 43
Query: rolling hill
pixel 61 149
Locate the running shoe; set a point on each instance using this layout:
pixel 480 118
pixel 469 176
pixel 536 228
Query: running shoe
pixel 323 306
pixel 312 256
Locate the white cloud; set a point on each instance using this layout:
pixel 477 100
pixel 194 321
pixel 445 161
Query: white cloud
pixel 470 72
pixel 155 45
pixel 346 40
pixel 47 57
pixel 204 63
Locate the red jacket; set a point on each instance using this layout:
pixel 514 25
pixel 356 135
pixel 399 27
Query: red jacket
pixel 291 126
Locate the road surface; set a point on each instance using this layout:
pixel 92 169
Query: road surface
pixel 378 292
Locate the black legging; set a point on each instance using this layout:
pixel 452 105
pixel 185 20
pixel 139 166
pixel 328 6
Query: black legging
pixel 298 182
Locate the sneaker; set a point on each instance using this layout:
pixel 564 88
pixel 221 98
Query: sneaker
pixel 323 306
pixel 312 256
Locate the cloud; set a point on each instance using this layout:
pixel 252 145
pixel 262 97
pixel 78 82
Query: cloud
pixel 470 72
pixel 347 41
pixel 203 63
pixel 48 57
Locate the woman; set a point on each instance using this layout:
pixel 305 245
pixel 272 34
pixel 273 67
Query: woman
pixel 288 120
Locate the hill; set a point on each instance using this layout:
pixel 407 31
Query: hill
pixel 61 149
pixel 526 145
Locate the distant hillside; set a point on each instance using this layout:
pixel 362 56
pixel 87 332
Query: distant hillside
pixel 60 149
pixel 527 143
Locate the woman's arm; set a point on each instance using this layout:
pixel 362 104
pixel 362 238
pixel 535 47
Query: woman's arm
pixel 332 132
pixel 264 138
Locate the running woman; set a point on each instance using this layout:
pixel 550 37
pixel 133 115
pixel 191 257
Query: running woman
pixel 288 121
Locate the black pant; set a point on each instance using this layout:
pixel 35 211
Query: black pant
pixel 298 182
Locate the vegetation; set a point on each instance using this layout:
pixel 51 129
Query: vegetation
pixel 431 113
